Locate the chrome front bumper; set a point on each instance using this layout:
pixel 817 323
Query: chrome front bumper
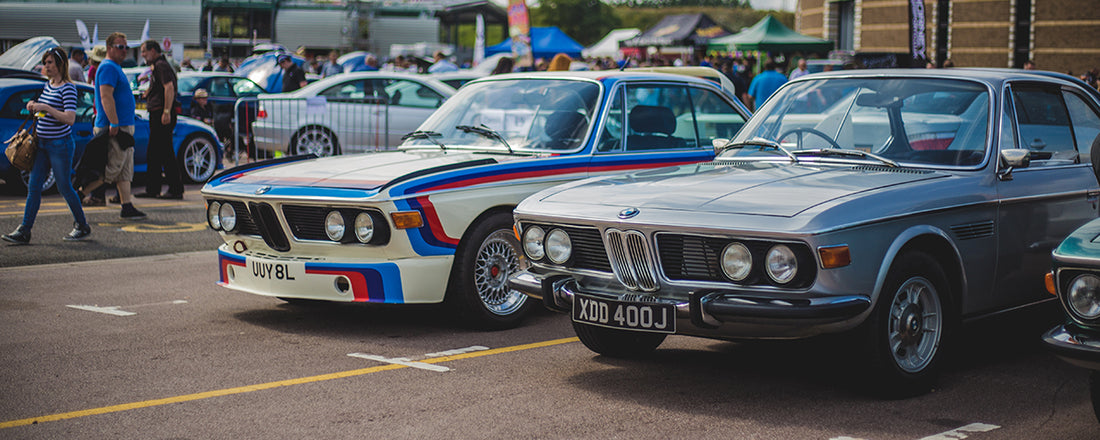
pixel 1074 345
pixel 710 310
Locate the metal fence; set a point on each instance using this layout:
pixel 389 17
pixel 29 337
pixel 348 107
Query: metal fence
pixel 320 125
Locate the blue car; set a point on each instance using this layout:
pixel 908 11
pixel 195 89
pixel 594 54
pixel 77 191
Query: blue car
pixel 195 143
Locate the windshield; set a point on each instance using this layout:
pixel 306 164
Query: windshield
pixel 529 114
pixel 937 122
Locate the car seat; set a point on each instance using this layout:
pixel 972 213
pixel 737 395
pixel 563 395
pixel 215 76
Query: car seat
pixel 652 127
pixel 563 130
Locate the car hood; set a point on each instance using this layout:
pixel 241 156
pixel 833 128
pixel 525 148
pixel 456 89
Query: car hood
pixel 767 189
pixel 1083 243
pixel 368 171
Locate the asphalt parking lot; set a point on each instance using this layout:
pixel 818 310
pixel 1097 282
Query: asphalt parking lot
pixel 150 347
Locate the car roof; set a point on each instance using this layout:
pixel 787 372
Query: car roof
pixel 32 82
pixel 338 78
pixel 991 76
pixel 597 75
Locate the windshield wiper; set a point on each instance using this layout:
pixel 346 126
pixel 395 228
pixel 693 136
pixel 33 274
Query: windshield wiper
pixel 425 134
pixel 758 142
pixel 846 152
pixel 487 132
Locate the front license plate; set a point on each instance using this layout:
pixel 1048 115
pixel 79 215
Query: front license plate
pixel 650 317
pixel 276 271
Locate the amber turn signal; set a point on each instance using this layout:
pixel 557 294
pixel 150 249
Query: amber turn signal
pixel 1049 281
pixel 407 219
pixel 834 256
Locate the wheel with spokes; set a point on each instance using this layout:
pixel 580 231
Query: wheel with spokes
pixel 909 326
pixel 478 287
pixel 315 140
pixel 198 158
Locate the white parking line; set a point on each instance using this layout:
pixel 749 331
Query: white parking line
pixel 954 434
pixel 401 361
pixel 960 433
pixel 117 310
pixel 453 352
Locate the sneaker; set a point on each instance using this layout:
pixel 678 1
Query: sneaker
pixel 170 196
pixel 147 195
pixel 20 235
pixel 79 232
pixel 93 201
pixel 129 212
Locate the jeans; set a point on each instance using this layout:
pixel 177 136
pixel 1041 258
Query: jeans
pixel 56 155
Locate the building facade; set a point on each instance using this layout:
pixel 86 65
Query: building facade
pixel 1057 35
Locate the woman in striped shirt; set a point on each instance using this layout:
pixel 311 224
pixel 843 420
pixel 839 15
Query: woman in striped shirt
pixel 56 110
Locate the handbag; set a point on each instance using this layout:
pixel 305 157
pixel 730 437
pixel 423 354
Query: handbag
pixel 23 145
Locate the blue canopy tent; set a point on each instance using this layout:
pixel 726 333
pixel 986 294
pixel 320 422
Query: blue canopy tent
pixel 545 43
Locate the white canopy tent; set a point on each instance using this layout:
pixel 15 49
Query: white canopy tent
pixel 609 45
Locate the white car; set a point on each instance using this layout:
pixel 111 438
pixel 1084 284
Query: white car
pixel 349 112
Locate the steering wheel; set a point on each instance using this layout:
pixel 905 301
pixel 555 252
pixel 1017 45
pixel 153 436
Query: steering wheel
pixel 812 131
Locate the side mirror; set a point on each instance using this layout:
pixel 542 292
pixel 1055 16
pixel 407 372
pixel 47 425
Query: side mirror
pixel 719 144
pixel 1012 159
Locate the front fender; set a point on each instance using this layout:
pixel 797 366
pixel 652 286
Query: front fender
pixel 907 239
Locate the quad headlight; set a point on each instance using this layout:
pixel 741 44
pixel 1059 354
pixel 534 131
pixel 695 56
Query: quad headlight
pixel 558 246
pixel 1083 296
pixel 334 226
pixel 364 227
pixel 781 264
pixel 736 261
pixel 532 243
pixel 227 217
pixel 212 218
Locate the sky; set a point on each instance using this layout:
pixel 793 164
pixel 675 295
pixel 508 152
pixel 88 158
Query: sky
pixel 779 5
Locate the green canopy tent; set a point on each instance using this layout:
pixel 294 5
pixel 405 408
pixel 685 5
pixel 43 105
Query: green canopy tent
pixel 769 35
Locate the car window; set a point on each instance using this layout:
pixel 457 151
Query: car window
pixel 714 117
pixel 1043 123
pixel 16 107
pixel 407 93
pixel 188 84
pixel 659 117
pixel 1008 132
pixel 611 137
pixel 221 88
pixel 1086 123
pixel 85 105
pixel 245 87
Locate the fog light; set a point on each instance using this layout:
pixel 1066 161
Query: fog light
pixel 334 226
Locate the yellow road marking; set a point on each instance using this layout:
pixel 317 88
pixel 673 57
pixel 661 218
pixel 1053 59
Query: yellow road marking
pixel 270 385
pixel 58 207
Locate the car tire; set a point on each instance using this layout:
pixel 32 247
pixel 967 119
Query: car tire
pixel 617 343
pixel 18 180
pixel 315 140
pixel 908 327
pixel 198 158
pixel 478 288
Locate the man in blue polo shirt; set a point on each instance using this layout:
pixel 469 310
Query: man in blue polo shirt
pixel 114 113
pixel 764 84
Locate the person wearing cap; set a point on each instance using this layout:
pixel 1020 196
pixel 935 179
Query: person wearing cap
pixel 294 77
pixel 201 108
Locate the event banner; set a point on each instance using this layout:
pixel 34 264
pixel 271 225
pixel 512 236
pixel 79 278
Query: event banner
pixel 916 32
pixel 519 30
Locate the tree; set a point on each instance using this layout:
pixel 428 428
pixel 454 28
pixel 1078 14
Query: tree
pixel 586 21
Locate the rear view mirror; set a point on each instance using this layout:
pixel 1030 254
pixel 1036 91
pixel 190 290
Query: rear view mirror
pixel 877 100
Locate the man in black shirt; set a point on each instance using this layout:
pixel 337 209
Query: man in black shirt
pixel 294 77
pixel 160 101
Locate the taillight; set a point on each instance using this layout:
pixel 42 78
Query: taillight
pixel 261 113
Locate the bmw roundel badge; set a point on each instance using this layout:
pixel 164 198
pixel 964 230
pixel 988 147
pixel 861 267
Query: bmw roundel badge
pixel 262 189
pixel 628 213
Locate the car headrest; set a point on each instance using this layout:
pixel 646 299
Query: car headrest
pixel 562 124
pixel 652 119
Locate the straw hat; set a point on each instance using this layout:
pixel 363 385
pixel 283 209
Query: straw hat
pixel 201 93
pixel 99 53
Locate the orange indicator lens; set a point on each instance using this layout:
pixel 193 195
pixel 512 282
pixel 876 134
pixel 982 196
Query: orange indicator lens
pixel 407 219
pixel 834 256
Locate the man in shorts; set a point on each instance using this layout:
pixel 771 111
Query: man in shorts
pixel 114 105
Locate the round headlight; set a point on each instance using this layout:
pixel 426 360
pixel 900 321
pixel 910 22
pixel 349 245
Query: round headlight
pixel 781 264
pixel 1084 296
pixel 212 215
pixel 227 217
pixel 334 226
pixel 532 242
pixel 558 246
pixel 736 261
pixel 364 227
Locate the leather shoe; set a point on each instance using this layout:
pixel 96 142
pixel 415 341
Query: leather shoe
pixel 170 196
pixel 21 235
pixel 115 199
pixel 147 195
pixel 93 201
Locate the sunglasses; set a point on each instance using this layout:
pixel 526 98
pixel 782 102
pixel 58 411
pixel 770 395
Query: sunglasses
pixel 120 46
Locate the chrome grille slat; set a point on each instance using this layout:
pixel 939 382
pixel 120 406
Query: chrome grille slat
pixel 631 260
